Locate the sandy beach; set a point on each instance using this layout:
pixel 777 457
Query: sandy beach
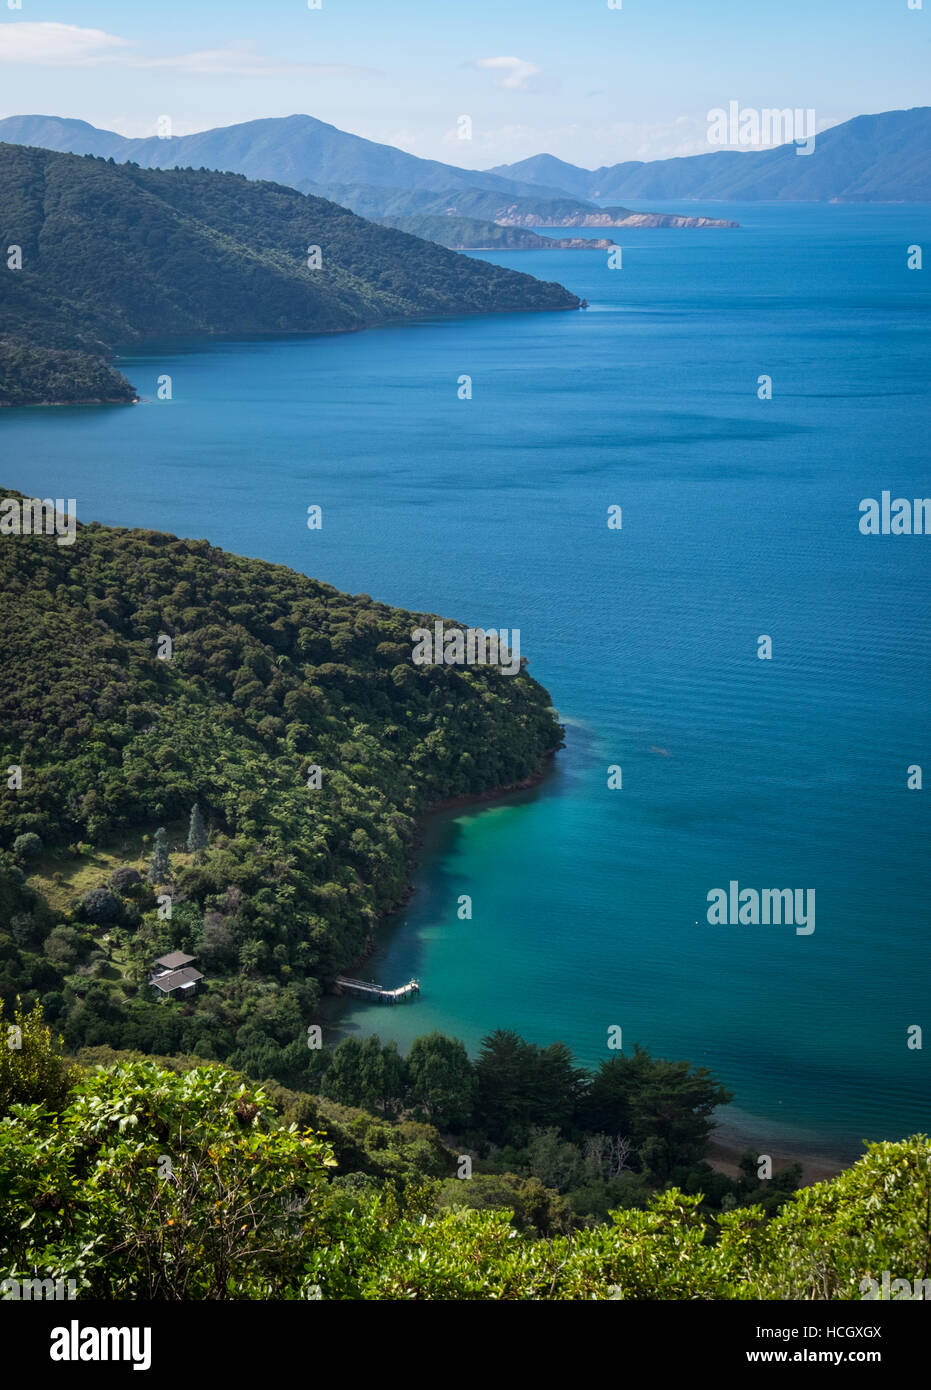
pixel 724 1157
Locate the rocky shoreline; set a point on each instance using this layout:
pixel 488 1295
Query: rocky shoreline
pixel 610 218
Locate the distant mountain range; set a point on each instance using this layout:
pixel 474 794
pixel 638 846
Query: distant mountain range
pixel 884 158
pixel 112 254
pixel 296 150
pixel 377 181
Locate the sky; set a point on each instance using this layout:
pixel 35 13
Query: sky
pixel 578 79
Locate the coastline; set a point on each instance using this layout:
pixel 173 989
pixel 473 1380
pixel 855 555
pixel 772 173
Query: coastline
pixel 121 351
pixel 89 400
pixel 436 808
pixel 728 1141
pixel 452 803
pixel 724 1157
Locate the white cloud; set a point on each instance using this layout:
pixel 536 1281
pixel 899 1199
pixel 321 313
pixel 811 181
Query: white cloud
pixel 65 45
pixel 514 74
pixel 56 45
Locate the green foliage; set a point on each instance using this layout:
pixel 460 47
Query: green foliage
pixel 553 1160
pixel 160 862
pixel 27 846
pixel 531 1206
pixel 178 1181
pixel 440 1078
pixel 481 205
pixel 197 834
pixel 100 906
pixel 459 233
pixel 823 1244
pixel 31 374
pixel 32 1070
pixel 520 1086
pixel 662 1107
pixel 525 1113
pixel 25 925
pixel 158 1185
pixel 829 1238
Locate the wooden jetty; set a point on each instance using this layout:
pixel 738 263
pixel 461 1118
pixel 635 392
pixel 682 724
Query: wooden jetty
pixel 368 989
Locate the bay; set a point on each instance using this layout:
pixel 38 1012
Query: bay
pixel 740 518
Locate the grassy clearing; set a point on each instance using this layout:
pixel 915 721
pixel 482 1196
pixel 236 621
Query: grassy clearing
pixel 62 878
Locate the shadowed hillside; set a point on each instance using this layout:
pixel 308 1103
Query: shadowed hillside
pixel 113 254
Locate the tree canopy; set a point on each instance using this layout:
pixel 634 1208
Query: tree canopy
pixel 149 1182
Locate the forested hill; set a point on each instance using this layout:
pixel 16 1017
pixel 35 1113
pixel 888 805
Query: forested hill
pixel 112 254
pixel 272 674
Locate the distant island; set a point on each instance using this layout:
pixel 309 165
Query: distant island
pixel 479 218
pixel 511 231
pixel 471 234
pixel 108 255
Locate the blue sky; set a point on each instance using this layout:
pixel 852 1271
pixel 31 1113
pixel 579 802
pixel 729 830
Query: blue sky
pixel 573 78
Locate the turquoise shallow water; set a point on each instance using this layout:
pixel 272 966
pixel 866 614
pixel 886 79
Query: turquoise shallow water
pixel 740 518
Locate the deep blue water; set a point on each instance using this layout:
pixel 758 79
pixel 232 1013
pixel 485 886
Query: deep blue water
pixel 740 517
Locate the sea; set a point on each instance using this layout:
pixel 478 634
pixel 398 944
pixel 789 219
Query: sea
pixel 737 394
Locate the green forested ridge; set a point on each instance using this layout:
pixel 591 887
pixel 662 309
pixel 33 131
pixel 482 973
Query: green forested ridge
pixel 113 254
pixel 30 375
pixel 272 674
pixel 470 233
pixel 140 1180
pixel 415 208
pixel 484 205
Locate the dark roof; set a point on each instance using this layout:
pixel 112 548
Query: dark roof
pixel 175 979
pixel 174 960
